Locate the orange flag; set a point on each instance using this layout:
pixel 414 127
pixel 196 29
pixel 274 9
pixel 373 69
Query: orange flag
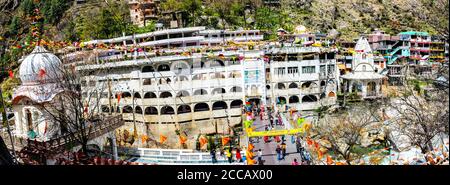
pixel 250 147
pixel 144 138
pixel 203 141
pixel 225 140
pixel 329 160
pixel 183 139
pixel 162 138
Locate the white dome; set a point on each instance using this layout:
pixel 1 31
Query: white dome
pixel 40 66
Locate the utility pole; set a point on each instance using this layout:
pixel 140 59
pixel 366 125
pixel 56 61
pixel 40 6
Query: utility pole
pixel 5 121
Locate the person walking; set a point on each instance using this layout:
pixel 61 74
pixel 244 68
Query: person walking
pixel 278 150
pixel 229 156
pixel 238 155
pixel 295 163
pixel 260 157
pixel 283 150
pixel 213 156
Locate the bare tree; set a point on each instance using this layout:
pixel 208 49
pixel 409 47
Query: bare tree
pixel 421 118
pixel 344 131
pixel 75 110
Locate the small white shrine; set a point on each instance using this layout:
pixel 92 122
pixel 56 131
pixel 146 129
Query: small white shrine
pixel 363 79
pixel 39 73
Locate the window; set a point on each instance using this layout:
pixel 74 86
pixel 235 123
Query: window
pixel 280 71
pixel 331 69
pixel 292 70
pixel 322 69
pixel 309 69
pixel 364 67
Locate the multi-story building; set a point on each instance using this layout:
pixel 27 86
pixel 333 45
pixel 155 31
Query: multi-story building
pixel 203 92
pixel 437 49
pixel 142 11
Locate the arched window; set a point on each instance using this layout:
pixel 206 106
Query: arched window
pixel 168 80
pixel 309 98
pixel 148 95
pixel 137 95
pixel 127 109
pixel 236 89
pixel 280 86
pixel 138 110
pixel 151 111
pixel 126 94
pixel 182 94
pixel 184 109
pixel 331 94
pixel 218 91
pixel 281 100
pixel 147 69
pixel 167 110
pixel 306 85
pixel 201 107
pixel 200 92
pixel 165 94
pixel 309 84
pixel 294 99
pixel 163 67
pixel 322 83
pixel 236 104
pixel 293 85
pixel 219 105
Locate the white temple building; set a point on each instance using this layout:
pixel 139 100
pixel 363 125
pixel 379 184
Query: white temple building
pixel 363 79
pixel 38 72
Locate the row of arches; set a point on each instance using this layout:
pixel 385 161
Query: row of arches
pixel 183 93
pixel 181 109
pixel 307 84
pixel 305 99
pixel 181 78
pixel 182 65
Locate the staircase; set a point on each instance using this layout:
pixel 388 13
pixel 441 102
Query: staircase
pixel 393 57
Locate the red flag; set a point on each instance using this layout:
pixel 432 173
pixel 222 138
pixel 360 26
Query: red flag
pixel 225 140
pixel 11 74
pixel 118 97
